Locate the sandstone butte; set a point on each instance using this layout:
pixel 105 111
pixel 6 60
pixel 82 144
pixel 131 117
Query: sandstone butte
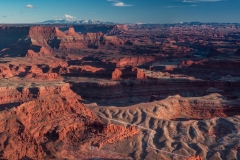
pixel 39 40
pixel 128 72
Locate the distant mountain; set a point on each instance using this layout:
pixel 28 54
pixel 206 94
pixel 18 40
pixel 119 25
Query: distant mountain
pixel 70 21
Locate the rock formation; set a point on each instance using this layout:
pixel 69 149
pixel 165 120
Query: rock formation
pixel 34 128
pixel 43 52
pixel 26 39
pixel 118 29
pixel 128 73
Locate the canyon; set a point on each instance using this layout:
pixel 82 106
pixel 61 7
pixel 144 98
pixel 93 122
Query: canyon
pixel 124 91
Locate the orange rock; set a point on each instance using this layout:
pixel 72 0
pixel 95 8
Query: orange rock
pixel 43 51
pixel 5 72
pixel 34 128
pixel 140 74
pixel 195 158
pixel 128 72
pixel 71 32
pixel 116 74
pixel 134 61
pixel 43 76
pixel 31 53
pixel 118 29
pixel 117 133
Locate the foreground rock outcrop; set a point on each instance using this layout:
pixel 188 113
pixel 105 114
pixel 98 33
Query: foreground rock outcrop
pixel 39 129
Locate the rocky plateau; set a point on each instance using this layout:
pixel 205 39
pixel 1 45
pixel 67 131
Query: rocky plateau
pixel 107 91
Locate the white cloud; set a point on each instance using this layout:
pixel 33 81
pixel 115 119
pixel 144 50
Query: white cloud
pixel 68 16
pixel 119 3
pixel 29 6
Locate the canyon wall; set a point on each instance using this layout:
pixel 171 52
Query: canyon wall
pixel 128 92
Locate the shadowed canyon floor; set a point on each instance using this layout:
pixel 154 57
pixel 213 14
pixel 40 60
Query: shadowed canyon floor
pixel 120 92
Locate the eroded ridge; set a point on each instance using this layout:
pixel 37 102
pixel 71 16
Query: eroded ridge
pixel 151 132
pixel 49 125
pixel 185 133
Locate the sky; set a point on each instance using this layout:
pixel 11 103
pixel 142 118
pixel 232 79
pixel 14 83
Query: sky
pixel 121 11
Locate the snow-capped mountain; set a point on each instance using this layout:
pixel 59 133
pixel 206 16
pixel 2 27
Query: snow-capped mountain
pixel 70 21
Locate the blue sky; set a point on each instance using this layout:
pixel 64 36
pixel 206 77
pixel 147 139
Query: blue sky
pixel 122 11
